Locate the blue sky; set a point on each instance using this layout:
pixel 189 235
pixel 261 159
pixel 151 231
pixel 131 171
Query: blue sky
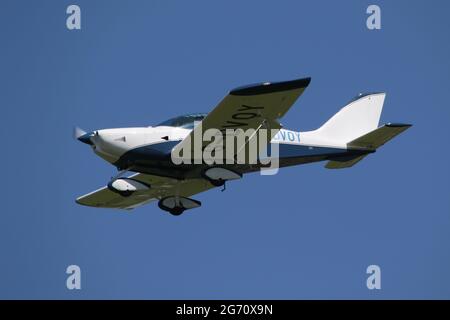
pixel 307 232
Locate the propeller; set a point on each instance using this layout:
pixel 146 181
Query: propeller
pixel 78 132
pixel 84 136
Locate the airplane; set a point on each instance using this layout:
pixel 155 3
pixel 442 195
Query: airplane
pixel 147 152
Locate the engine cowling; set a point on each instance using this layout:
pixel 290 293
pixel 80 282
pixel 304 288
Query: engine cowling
pixel 126 186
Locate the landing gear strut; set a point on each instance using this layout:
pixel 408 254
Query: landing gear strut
pixel 218 176
pixel 217 183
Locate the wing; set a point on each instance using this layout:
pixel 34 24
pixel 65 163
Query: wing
pixel 250 107
pixel 160 187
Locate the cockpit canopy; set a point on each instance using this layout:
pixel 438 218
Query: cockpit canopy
pixel 186 121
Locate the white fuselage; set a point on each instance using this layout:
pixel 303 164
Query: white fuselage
pixel 111 144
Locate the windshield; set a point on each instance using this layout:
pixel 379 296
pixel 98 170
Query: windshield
pixel 186 121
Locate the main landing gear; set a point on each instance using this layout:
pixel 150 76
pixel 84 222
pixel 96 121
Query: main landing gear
pixel 176 205
pixel 218 176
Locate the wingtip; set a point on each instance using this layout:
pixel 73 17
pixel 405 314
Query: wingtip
pixel 79 201
pixel 398 125
pixel 271 87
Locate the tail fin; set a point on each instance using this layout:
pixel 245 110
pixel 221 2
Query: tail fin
pixel 357 118
pixel 355 127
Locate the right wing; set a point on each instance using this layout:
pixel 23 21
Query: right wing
pixel 160 187
pixel 250 107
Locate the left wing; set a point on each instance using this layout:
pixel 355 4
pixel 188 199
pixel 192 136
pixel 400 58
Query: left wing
pixel 249 107
pixel 159 187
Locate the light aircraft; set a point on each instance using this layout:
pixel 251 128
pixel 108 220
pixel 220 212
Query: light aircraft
pixel 346 138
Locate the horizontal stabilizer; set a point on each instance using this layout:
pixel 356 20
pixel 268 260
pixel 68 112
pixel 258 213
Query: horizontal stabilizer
pixel 338 164
pixel 376 138
pixel 369 142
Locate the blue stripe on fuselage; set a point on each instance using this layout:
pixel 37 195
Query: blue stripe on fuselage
pixel 287 150
pixel 161 152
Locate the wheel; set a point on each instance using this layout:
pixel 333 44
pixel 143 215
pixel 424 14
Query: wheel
pixel 177 207
pixel 126 193
pixel 176 211
pixel 123 193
